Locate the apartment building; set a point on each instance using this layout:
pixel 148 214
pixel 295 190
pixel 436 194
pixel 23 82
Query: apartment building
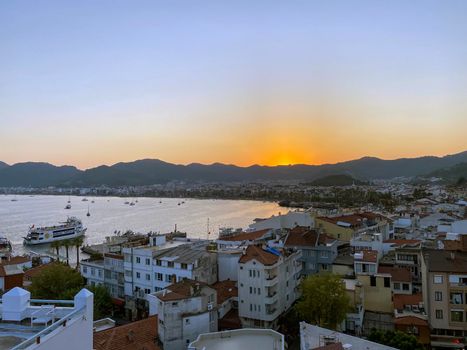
pixel 186 309
pixel 93 271
pixel 444 283
pixel 150 269
pixel 318 250
pixel 346 227
pixel 267 284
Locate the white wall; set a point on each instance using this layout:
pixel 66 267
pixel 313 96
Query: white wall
pixel 227 266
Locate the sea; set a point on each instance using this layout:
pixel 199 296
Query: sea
pixel 109 215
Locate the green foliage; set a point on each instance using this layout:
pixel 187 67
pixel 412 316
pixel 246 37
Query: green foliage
pixel 102 302
pixel 324 301
pixel 461 181
pixel 396 339
pixel 57 282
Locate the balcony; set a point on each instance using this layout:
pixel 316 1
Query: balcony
pixel 270 280
pixel 271 298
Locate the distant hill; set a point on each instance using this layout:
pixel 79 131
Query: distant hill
pixel 35 174
pixel 3 165
pixel 153 171
pixel 337 180
pixel 451 174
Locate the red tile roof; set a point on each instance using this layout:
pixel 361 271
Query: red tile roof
pixel 304 237
pixel 258 254
pixel 399 242
pixel 402 299
pixel 184 289
pixel 410 321
pixel 139 335
pixel 15 260
pixel 225 290
pixel 398 274
pixel 246 236
pixel 368 256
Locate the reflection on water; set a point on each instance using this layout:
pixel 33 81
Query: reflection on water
pixel 109 214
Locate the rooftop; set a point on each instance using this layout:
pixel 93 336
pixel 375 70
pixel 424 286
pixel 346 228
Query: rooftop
pixel 225 290
pixel 305 237
pixel 245 339
pixel 246 236
pixel 257 253
pixel 311 337
pixel 184 289
pixel 445 261
pixel 400 300
pixel 139 335
pixel 398 274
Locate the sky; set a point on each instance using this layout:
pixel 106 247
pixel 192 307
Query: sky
pixel 240 82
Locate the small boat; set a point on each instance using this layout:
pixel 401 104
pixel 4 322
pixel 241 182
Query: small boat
pixel 84 200
pixel 126 202
pixel 71 228
pixel 68 206
pixel 132 204
pixel 92 201
pixel 160 201
pixel 88 213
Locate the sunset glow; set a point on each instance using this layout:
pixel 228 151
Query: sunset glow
pixel 313 82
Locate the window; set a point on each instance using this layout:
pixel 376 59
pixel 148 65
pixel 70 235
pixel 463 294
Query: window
pixel 373 281
pixel 148 261
pixel 168 278
pixel 158 262
pixel 159 276
pixel 324 254
pixel 147 290
pixel 170 264
pixel 138 275
pixel 251 290
pixel 387 282
pixel 457 315
pixel 439 314
pixel 184 266
pixel 138 260
pixel 148 277
pixel 405 286
pixel 438 296
pixel 187 321
pixel 437 279
pixel 456 298
pixel 397 286
pixel 175 303
pixel 85 269
pixel 92 271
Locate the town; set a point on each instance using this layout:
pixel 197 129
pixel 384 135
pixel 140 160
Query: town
pixel 327 277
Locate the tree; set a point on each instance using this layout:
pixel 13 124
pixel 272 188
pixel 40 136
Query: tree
pixel 77 242
pixel 102 302
pixel 56 245
pixel 58 281
pixel 324 301
pixel 66 244
pixel 396 339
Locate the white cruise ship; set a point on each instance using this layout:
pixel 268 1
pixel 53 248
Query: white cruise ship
pixel 72 228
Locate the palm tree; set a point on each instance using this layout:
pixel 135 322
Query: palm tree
pixel 56 245
pixel 66 244
pixel 77 242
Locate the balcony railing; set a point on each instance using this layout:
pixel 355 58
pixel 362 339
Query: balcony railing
pixel 36 339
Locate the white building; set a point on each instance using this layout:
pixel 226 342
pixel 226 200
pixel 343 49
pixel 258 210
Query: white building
pixel 49 326
pixel 267 285
pixel 185 310
pixel 93 271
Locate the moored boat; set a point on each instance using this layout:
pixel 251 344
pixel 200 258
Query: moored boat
pixel 71 228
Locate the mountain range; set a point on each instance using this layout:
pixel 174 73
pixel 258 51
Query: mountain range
pixel 154 171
